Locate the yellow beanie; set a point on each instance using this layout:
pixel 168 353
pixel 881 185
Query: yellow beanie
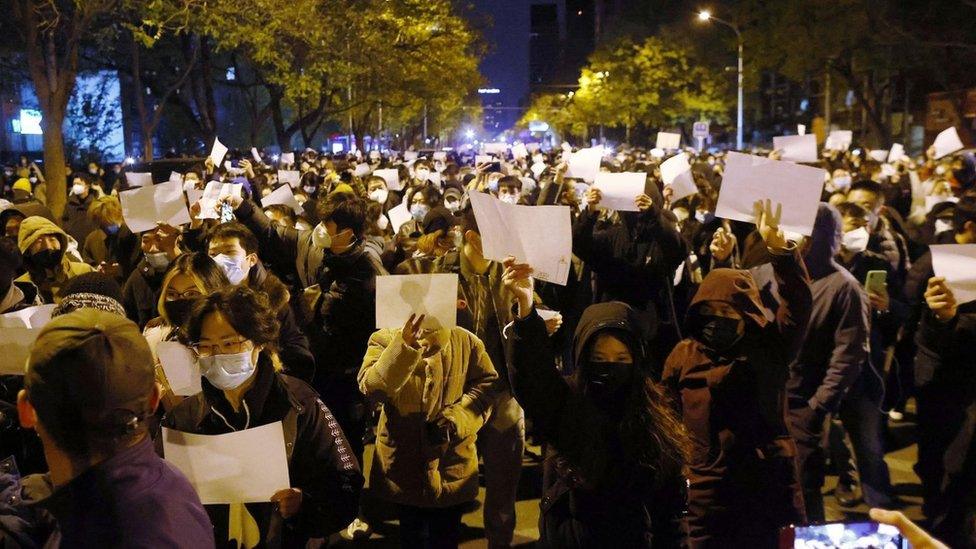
pixel 22 184
pixel 343 188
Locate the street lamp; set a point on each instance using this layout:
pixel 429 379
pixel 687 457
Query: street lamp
pixel 705 15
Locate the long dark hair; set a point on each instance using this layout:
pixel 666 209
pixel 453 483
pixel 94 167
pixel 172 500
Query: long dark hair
pixel 650 432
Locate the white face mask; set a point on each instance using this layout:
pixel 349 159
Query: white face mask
pixel 943 225
pixel 509 198
pixel 452 205
pixel 93 171
pixel 321 237
pixel 423 174
pixel 842 183
pixel 379 195
pixel 227 372
pixel 157 260
pixel 856 241
pixel 77 189
pixel 940 170
pixel 233 269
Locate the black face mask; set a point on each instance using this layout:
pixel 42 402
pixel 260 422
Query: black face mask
pixel 178 310
pixel 605 382
pixel 720 333
pixel 47 259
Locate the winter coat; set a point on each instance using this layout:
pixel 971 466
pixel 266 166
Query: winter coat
pixel 48 281
pixel 450 381
pixel 75 219
pixel 293 346
pixel 140 293
pixel 320 462
pixel 743 483
pixel 122 248
pixel 945 353
pixel 614 503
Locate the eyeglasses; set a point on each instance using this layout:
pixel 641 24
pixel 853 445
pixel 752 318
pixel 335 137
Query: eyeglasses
pixel 192 293
pixel 227 347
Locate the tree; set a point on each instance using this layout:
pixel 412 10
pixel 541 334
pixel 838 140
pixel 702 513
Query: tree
pixel 91 118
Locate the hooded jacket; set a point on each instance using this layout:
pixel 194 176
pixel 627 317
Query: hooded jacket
pixel 593 495
pixel 48 282
pixel 742 477
pixel 75 219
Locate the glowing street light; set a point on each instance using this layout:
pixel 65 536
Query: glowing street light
pixel 706 16
pixel 469 134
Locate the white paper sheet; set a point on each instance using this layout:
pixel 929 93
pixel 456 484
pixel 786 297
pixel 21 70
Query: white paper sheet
pixel 213 194
pixel 547 314
pixel 878 155
pixel 433 295
pixel 676 173
pixel 801 129
pixel 585 163
pixel 537 169
pixel 282 195
pixel 409 155
pixel 796 148
pixel 435 178
pixel 440 155
pixel 619 190
pixel 138 179
pixel 896 153
pixel 538 235
pixel 398 216
pixel 499 149
pixel 144 207
pixel 241 467
pixel 176 177
pixel 392 178
pixel 18 330
pixel 839 140
pixel 750 178
pixel 566 147
pixel 667 141
pixel 957 264
pixel 532 147
pixel 287 158
pixel 362 170
pixel 217 152
pixel 256 155
pixel 480 159
pixel 291 177
pixel 180 366
pixel 519 151
pixel 947 142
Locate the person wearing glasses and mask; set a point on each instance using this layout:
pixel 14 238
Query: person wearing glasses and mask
pixel 140 293
pixel 233 333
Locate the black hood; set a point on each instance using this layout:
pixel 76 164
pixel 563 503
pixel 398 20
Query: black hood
pixel 613 315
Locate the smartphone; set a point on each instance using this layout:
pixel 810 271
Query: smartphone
pixel 875 282
pixel 842 535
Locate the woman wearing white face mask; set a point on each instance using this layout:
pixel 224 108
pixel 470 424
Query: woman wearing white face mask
pixel 232 333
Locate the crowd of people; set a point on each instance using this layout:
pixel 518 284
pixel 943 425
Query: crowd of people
pixel 691 384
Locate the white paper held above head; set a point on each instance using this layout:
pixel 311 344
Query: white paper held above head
pixel 668 141
pixel 293 178
pixel 676 173
pixel 796 148
pixel 241 467
pixel 896 152
pixel 957 264
pixel 947 142
pixel 538 235
pixel 432 295
pixel 801 129
pixel 398 216
pixel 217 152
pixel 213 194
pixel 138 179
pixel 839 140
pixel 144 207
pixel 620 190
pixel 286 159
pixel 585 163
pixel 749 178
pixel 391 176
pixel 282 195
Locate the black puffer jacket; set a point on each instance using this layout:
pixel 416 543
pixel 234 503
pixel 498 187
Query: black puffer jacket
pixel 593 495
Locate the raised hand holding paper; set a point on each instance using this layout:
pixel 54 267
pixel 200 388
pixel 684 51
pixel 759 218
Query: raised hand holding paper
pixel 519 151
pixel 839 140
pixel 947 142
pixel 676 173
pixel 796 148
pixel 241 467
pixel 213 194
pixel 749 179
pixel 391 176
pixel 282 195
pixel 217 152
pixel 398 216
pixel 144 207
pixel 287 159
pixel 538 235
pixel 957 264
pixel 896 153
pixel 619 190
pixel 666 141
pixel 431 295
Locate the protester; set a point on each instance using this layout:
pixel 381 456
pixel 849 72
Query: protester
pixel 106 483
pixel 234 334
pixel 434 386
pixel 44 246
pixel 75 219
pixel 159 246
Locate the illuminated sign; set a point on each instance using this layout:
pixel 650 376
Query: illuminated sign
pixel 30 121
pixel 489 91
